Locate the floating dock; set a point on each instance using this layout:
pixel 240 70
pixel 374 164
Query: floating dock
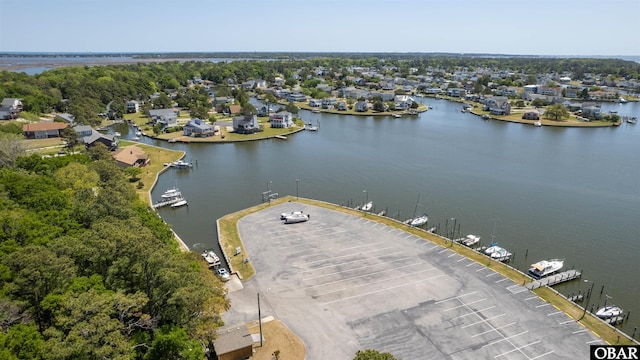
pixel 554 279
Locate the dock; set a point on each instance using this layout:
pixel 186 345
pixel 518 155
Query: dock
pixel 281 137
pixel 160 204
pixel 554 279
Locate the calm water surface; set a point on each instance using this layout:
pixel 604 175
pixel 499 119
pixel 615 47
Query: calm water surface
pixel 542 193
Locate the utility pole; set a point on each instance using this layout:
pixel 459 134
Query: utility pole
pixel 260 319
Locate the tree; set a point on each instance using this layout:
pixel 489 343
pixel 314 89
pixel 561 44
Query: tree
pixel 10 149
pixel 373 355
pixel 132 172
pixel 70 136
pixel 556 112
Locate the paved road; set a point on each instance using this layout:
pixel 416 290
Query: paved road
pixel 344 283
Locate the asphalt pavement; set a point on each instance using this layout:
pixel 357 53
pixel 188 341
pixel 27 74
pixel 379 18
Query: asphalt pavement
pixel 344 283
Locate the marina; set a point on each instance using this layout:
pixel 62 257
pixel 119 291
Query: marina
pixel 484 179
pixel 554 279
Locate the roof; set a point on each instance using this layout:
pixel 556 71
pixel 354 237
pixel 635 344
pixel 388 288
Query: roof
pixel 130 155
pixel 82 128
pixel 95 136
pixel 232 338
pixel 9 101
pixel 199 124
pixel 235 109
pixel 44 126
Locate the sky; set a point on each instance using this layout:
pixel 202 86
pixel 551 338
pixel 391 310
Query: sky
pixel 514 27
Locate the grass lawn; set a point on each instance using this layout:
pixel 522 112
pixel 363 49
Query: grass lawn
pixel 230 239
pixel 277 337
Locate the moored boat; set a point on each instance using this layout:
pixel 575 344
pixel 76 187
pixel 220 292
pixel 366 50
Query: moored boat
pixel 608 312
pixel 420 220
pixel 367 207
pixel 211 258
pixel 545 267
pixel 178 203
pixel 470 240
pixel 291 213
pixel 171 193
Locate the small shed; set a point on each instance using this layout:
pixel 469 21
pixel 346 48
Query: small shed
pixel 233 343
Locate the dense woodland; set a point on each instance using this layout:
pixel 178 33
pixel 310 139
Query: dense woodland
pixel 87 91
pixel 88 271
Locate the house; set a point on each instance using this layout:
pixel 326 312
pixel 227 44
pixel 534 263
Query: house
pixel 235 109
pixel 456 92
pixel 10 108
pixel 362 106
pixel 283 119
pixel 297 97
pixel 198 128
pixel 132 106
pixel 167 117
pixel 591 110
pixel 342 106
pixel 315 103
pixel 97 138
pixel 233 343
pixel 43 130
pixel 246 124
pixel 328 103
pixel 131 155
pixel 65 117
pixel 531 115
pixel 498 105
pixel 221 100
pixel 83 130
pixel 403 102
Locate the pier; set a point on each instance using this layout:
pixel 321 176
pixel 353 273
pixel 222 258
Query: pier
pixel 554 279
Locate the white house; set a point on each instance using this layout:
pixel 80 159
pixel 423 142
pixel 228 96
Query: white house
pixel 283 119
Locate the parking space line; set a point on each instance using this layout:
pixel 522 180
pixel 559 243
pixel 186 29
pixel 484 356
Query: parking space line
pixel 492 273
pixel 556 313
pixel 455 298
pixel 367 274
pixel 360 268
pixel 545 354
pixel 501 280
pixel 505 338
pixel 472 313
pixel 463 304
pixel 355 261
pixel 374 282
pixel 543 305
pixel 461 259
pixel 473 262
pixel 531 298
pixel 594 341
pixel 580 331
pixel 567 322
pixel 454 254
pixel 494 329
pixel 481 268
pixel 443 250
pixel 384 289
pixel 516 349
pixel 347 255
pixel 483 321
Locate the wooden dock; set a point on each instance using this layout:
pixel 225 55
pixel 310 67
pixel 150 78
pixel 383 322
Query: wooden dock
pixel 281 137
pixel 554 279
pixel 160 204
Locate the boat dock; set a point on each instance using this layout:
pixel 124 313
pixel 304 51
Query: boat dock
pixel 281 137
pixel 554 279
pixel 160 204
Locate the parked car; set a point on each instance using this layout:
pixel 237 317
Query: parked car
pixel 223 273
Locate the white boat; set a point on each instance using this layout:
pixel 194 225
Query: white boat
pixel 537 123
pixel 367 207
pixel 138 133
pixel 608 312
pixel 293 219
pixel 291 213
pixel 501 254
pixel 211 258
pixel 171 193
pixel 116 134
pixel 546 267
pixel 397 115
pixel 315 111
pixel 420 220
pixel 623 100
pixel 179 203
pixel 470 240
pixel 311 128
pixel 135 138
pixel 632 120
pixel 181 164
pixel 491 249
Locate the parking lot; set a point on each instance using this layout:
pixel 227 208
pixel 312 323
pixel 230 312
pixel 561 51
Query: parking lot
pixel 344 283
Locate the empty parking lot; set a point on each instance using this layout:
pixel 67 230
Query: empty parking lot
pixel 344 283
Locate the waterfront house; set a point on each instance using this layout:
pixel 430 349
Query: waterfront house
pixel 283 119
pixel 328 103
pixel 456 92
pixel 97 138
pixel 297 97
pixel 498 105
pixel 166 117
pixel 132 106
pixel 198 128
pixel 131 155
pixel 531 115
pixel 83 130
pixel 43 130
pixel 246 124
pixel 403 102
pixel 342 106
pixel 362 106
pixel 315 103
pixel 591 110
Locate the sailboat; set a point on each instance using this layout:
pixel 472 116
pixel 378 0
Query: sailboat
pixel 418 220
